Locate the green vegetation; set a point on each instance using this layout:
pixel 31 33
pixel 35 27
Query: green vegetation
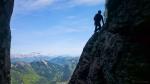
pixel 42 72
pixel 27 77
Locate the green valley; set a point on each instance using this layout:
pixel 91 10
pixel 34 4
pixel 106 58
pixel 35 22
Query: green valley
pixel 57 70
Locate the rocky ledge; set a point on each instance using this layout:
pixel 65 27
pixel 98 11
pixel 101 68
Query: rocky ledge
pixel 119 54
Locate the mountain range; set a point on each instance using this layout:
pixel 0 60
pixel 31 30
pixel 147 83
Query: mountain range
pixel 42 69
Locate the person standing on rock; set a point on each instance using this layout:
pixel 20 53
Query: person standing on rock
pixel 97 21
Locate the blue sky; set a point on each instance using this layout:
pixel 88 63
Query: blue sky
pixel 54 27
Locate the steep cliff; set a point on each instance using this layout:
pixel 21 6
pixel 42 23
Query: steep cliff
pixel 119 54
pixel 6 7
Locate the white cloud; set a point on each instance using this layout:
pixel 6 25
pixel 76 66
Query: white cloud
pixel 73 3
pixel 24 5
pixel 88 2
pixel 31 4
pixel 41 3
pixel 71 17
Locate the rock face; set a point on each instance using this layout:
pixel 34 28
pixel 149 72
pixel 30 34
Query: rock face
pixel 119 54
pixel 6 7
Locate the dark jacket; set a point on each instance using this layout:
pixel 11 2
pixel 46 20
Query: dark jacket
pixel 97 19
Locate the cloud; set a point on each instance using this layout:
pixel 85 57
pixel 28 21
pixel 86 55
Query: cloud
pixel 41 3
pixel 31 4
pixel 74 3
pixel 60 30
pixel 63 27
pixel 88 2
pixel 71 17
pixel 27 5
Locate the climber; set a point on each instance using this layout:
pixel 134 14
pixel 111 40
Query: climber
pixel 97 21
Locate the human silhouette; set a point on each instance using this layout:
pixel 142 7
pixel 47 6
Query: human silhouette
pixel 97 21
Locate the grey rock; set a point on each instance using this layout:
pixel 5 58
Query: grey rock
pixel 119 54
pixel 6 7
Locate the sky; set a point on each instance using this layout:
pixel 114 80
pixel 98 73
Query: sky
pixel 54 27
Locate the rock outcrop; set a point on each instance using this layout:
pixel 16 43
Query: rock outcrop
pixel 6 7
pixel 119 53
